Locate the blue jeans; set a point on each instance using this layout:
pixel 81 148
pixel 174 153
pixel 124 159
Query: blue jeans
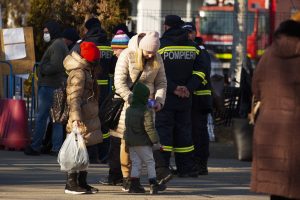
pixel 45 100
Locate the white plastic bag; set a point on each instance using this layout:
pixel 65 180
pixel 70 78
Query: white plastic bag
pixel 73 154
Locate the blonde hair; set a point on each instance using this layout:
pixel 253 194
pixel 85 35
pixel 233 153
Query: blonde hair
pixel 139 60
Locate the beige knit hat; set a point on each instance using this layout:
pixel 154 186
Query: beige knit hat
pixel 150 42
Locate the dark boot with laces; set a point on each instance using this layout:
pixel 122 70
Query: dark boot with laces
pixel 82 183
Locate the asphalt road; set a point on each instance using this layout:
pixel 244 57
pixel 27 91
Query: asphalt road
pixel 26 177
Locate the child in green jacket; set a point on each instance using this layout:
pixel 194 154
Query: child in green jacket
pixel 140 136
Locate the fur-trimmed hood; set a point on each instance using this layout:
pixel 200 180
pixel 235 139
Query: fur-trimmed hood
pixel 75 61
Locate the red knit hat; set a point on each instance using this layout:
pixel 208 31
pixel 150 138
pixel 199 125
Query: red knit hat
pixel 89 51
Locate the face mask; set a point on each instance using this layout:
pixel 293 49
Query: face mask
pixel 47 37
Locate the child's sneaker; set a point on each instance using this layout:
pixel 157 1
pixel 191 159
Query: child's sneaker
pixel 126 184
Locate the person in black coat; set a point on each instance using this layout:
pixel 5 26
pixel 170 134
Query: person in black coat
pixel 184 74
pixel 94 33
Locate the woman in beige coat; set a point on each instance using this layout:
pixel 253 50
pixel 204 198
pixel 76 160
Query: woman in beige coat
pixel 276 83
pixel 141 55
pixel 83 104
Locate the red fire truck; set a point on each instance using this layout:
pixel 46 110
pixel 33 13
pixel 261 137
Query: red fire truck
pixel 215 25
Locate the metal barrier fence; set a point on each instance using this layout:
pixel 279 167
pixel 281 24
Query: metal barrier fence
pixel 15 87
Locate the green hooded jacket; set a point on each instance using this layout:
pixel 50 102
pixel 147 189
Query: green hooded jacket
pixel 139 123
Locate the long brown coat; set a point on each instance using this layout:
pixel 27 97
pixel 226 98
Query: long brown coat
pixel 82 99
pixel 276 82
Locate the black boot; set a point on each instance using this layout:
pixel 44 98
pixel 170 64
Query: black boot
pixel 163 175
pixel 135 186
pixel 71 186
pixel 82 183
pixel 155 187
pixel 202 168
pixel 193 172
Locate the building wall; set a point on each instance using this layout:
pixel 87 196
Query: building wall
pixel 148 15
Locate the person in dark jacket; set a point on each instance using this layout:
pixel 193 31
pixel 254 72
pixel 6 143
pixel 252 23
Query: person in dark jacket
pixel 119 43
pixel 70 36
pixel 51 76
pixel 123 28
pixel 173 122
pixel 140 135
pixel 201 107
pixel 94 33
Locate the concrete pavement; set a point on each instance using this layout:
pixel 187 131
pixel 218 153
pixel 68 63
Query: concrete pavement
pixel 28 177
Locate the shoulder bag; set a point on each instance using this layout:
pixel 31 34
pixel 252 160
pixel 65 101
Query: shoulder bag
pixel 111 108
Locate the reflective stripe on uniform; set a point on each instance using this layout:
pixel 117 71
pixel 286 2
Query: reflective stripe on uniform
pixel 102 82
pixel 184 149
pixel 178 149
pixel 202 92
pixel 167 148
pixel 104 48
pixel 178 48
pixel 201 75
pixel 105 135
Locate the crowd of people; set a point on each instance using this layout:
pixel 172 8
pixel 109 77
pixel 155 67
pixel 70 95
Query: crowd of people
pixel 165 83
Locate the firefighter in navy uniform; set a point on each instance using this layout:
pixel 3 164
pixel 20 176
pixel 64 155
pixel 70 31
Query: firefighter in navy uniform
pixel 183 71
pixel 94 33
pixel 201 106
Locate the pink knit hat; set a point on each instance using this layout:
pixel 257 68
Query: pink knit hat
pixel 150 42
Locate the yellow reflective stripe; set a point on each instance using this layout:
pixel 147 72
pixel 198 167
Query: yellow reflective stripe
pixel 178 48
pixel 184 149
pixel 202 92
pixel 105 135
pixel 224 55
pixel 104 48
pixel 202 75
pixel 102 82
pixel 167 148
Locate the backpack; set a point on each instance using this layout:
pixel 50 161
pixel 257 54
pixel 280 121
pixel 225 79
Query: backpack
pixel 60 108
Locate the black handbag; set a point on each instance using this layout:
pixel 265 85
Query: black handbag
pixel 243 137
pixel 111 108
